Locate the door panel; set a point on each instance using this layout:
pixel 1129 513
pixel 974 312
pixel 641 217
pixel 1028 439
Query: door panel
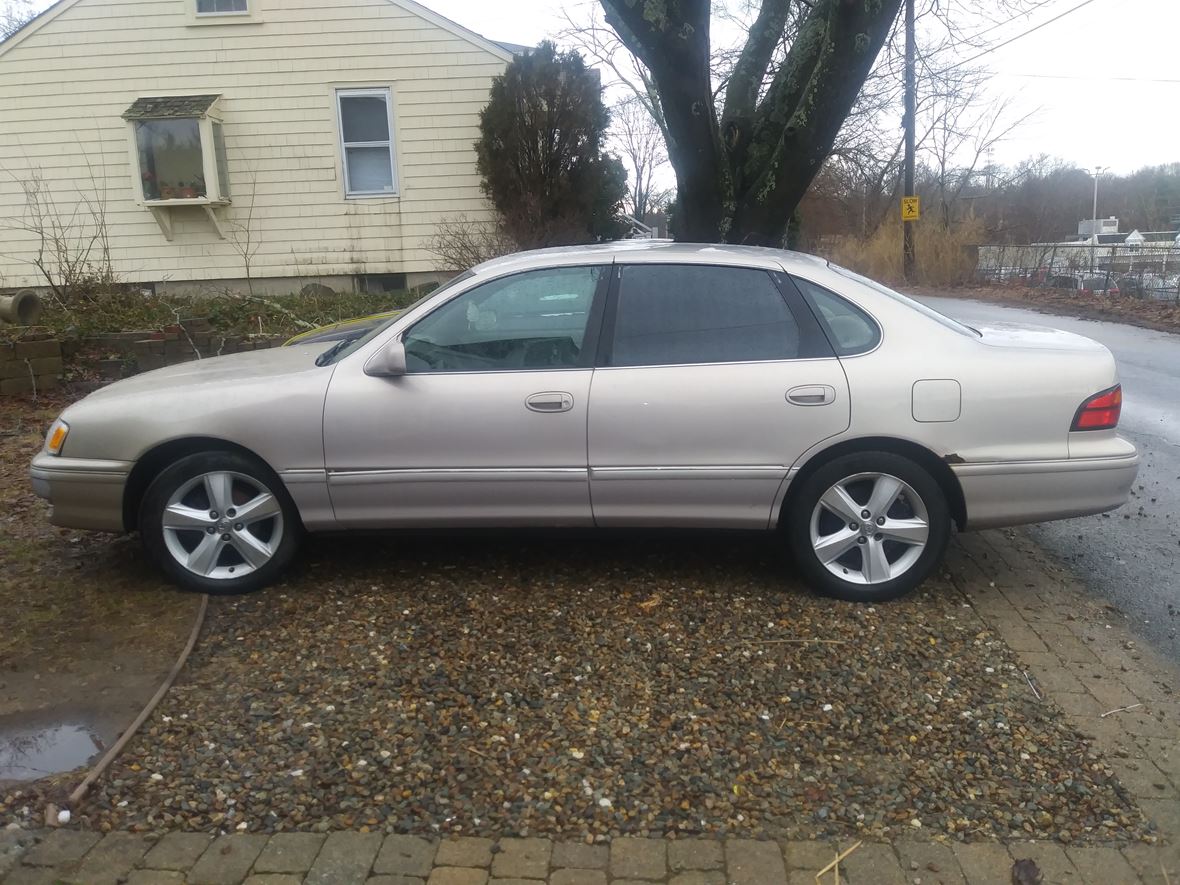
pixel 457 450
pixel 488 425
pixel 703 445
pixel 707 441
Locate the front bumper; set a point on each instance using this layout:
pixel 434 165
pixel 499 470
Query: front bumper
pixel 85 493
pixel 1019 492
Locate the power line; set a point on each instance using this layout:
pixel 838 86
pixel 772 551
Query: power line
pixel 1009 21
pixel 1092 79
pixel 1024 33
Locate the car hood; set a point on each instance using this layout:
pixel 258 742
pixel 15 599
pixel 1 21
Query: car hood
pixel 1020 335
pixel 218 371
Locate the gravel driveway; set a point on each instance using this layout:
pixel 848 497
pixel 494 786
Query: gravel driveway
pixel 623 684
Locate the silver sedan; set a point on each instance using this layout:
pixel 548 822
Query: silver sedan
pixel 628 384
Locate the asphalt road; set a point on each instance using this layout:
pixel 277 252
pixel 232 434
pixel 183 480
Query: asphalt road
pixel 1132 556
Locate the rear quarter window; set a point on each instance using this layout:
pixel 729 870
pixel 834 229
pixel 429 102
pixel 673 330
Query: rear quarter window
pixel 849 329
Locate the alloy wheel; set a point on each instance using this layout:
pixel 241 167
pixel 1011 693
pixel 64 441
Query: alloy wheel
pixel 222 525
pixel 869 528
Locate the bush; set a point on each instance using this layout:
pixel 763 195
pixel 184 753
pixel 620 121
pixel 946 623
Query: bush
pixel 944 255
pixel 125 309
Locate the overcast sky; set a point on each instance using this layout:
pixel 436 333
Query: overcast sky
pixel 1104 77
pixel 1066 69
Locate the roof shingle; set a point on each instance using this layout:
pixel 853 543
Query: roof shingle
pixel 162 106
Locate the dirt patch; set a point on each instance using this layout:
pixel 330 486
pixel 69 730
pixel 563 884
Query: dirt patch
pixel 90 628
pixel 1161 316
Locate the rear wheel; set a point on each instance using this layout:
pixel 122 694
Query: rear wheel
pixel 220 523
pixel 868 527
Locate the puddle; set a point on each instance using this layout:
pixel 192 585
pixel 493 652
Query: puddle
pixel 28 752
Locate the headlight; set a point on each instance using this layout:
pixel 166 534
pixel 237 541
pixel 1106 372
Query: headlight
pixel 56 438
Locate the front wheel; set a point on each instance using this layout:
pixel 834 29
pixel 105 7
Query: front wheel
pixel 868 527
pixel 220 523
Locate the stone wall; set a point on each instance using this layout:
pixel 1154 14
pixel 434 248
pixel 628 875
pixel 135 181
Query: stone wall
pixel 29 365
pixel 35 362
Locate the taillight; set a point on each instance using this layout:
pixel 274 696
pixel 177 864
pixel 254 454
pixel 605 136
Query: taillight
pixel 1101 411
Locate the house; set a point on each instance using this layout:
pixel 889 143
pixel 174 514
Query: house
pixel 204 144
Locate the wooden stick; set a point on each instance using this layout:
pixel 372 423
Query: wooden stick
pixel 836 863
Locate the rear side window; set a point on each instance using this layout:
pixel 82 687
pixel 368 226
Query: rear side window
pixel 849 328
pixel 674 314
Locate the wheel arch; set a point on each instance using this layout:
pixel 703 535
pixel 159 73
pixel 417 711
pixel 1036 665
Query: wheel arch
pixel 934 465
pixel 155 460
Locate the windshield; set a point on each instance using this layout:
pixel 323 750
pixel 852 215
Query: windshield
pixel 930 312
pixel 345 346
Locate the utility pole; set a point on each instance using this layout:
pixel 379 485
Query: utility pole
pixel 907 262
pixel 1098 170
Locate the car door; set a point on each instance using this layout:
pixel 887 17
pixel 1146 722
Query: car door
pixel 712 382
pixel 488 425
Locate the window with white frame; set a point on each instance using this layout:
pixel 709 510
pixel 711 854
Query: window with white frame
pixel 223 7
pixel 366 142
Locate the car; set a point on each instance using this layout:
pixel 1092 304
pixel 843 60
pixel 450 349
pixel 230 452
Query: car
pixel 349 329
pixel 1086 285
pixel 630 384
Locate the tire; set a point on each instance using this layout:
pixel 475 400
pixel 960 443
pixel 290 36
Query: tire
pixel 891 560
pixel 241 549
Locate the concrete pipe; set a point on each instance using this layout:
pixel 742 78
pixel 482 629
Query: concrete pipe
pixel 21 309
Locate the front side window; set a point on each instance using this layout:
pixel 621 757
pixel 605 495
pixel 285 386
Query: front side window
pixel 222 7
pixel 171 162
pixel 533 320
pixel 366 142
pixel 670 314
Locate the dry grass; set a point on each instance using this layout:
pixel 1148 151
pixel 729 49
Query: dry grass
pixel 944 255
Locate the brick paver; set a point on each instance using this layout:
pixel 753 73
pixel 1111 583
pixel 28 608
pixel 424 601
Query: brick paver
pixel 289 853
pixel 632 858
pixel 228 860
pixel 177 851
pixel 522 859
pixel 580 856
pixel 465 851
pixel 748 862
pixel 345 859
pixel 694 854
pixel 405 856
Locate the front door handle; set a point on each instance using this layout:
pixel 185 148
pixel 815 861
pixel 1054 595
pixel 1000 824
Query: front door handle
pixel 812 395
pixel 550 401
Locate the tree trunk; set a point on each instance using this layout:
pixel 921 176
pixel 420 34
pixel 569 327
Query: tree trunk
pixel 740 180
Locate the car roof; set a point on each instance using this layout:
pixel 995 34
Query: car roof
pixel 654 251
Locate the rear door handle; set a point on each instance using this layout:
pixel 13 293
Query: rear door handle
pixel 550 401
pixel 812 395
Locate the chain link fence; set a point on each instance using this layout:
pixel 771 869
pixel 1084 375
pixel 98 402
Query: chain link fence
pixel 1149 271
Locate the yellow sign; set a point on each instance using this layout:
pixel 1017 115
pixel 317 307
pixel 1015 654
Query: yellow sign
pixel 911 208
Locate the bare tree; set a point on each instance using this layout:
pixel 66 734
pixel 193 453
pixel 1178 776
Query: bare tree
pixel 14 15
pixel 70 246
pixel 460 243
pixel 244 238
pixel 641 145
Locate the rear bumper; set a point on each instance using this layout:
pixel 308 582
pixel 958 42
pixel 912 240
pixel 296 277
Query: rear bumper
pixel 1018 492
pixel 85 493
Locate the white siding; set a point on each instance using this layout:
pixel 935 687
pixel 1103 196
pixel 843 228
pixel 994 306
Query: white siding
pixel 64 86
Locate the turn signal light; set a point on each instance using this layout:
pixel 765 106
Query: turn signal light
pixel 1101 411
pixel 56 438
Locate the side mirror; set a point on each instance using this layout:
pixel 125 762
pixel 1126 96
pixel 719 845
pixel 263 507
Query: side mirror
pixel 389 362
